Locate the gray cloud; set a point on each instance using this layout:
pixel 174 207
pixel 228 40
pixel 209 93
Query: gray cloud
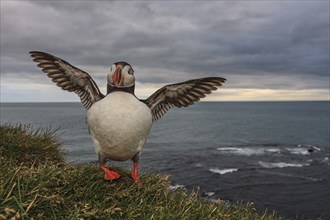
pixel 278 44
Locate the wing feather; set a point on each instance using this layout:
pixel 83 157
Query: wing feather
pixel 181 94
pixel 68 77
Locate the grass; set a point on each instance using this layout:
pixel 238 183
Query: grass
pixel 35 182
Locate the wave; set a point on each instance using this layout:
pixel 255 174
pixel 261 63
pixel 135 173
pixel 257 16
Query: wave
pixel 273 150
pixel 223 171
pixel 177 186
pixel 248 151
pixel 303 150
pixel 299 151
pixel 208 194
pixel 281 164
pixel 257 150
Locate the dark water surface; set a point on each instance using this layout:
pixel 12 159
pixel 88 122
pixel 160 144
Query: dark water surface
pixel 251 151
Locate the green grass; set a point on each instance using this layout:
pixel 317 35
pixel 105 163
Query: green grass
pixel 36 183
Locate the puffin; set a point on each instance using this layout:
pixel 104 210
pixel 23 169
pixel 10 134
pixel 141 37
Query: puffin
pixel 119 122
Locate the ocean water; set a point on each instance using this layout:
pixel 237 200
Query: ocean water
pixel 275 154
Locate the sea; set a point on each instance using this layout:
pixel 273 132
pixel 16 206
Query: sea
pixel 274 154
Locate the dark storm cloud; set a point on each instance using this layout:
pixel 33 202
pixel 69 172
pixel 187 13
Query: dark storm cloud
pixel 265 42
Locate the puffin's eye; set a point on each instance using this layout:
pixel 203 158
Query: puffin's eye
pixel 131 71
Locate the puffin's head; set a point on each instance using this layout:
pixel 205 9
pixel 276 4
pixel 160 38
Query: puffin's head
pixel 121 75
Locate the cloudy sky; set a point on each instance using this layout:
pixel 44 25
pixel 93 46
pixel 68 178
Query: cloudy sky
pixel 267 50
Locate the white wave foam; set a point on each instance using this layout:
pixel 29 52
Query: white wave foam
pixel 209 193
pixel 246 151
pixel 223 171
pixel 297 150
pixel 273 150
pixel 259 150
pixel 316 148
pixel 177 186
pixel 281 164
pixel 303 150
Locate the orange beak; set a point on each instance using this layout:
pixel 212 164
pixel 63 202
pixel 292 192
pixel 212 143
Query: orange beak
pixel 117 77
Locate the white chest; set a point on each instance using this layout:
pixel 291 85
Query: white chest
pixel 119 125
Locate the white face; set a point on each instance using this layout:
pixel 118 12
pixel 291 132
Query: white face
pixel 120 76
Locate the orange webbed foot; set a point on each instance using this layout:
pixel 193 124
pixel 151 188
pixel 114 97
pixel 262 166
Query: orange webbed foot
pixel 110 175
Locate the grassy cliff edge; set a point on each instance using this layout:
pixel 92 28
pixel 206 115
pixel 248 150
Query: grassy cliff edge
pixel 35 182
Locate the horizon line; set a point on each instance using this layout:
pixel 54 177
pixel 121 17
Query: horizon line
pixel 194 103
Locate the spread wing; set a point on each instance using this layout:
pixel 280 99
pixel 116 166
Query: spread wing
pixel 68 77
pixel 181 94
